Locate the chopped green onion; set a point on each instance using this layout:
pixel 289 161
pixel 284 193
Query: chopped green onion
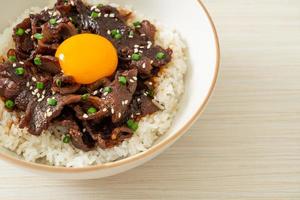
pixel 137 24
pixel 91 110
pixel 136 57
pixel 71 19
pixel 38 36
pixel 94 15
pixel 160 55
pixel 122 80
pixel 52 102
pixel 20 71
pixel 37 61
pixel 67 139
pixel 132 125
pixel 107 90
pixel 10 104
pixel 85 97
pixel 131 33
pixel 58 82
pixel 150 93
pixel 53 21
pixel 40 85
pixel 20 32
pixel 118 36
pixel 114 32
pixel 66 1
pixel 100 5
pixel 12 58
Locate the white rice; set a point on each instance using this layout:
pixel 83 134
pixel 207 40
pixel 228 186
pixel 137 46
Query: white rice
pixel 49 148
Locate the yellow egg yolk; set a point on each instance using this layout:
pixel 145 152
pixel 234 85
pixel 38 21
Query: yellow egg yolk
pixel 87 57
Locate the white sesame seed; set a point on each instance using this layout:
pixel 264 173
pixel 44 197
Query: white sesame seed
pixel 27 30
pixel 99 14
pixel 108 32
pixel 142 47
pixel 143 35
pixel 95 92
pixel 149 44
pixel 134 78
pixel 112 111
pixel 72 3
pixel 48 110
pixel 31 87
pixel 60 20
pixel 140 51
pixel 14 65
pixel 85 116
pixel 126 102
pixel 132 116
pixel 53 93
pixel 112 15
pixel 49 114
pixel 138 113
pixel 36 90
pixel 84 130
pixel 39 100
pixel 93 7
pixel 104 109
pixel 44 92
pixel 22 63
pixel 130 36
pixel 27 84
pixel 33 79
pixel 131 81
pixel 97 10
pixel 105 94
pixel 151 62
pixel 106 15
pixel 136 46
pixel 150 83
pixel 138 99
pixel 119 115
pixel 38 95
pixel 144 65
pixel 158 104
pixel 136 50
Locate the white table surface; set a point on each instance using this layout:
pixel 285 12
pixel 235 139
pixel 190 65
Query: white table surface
pixel 246 144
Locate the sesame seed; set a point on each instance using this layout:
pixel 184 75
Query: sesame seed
pixel 151 62
pixel 36 91
pixel 119 115
pixel 53 93
pixel 112 15
pixel 140 51
pixel 149 44
pixel 158 104
pixel 136 46
pixel 49 114
pixel 106 15
pixel 72 3
pixel 27 30
pixel 143 35
pixel 134 78
pixel 48 110
pixel 39 100
pixel 84 130
pixel 112 111
pixel 132 116
pixel 126 102
pixel 104 109
pixel 150 83
pixel 130 36
pixel 33 79
pixel 142 47
pixel 105 94
pixel 85 116
pixel 60 20
pixel 138 99
pixel 14 65
pixel 136 50
pixel 138 113
pixel 144 65
pixel 38 95
pixel 31 87
pixel 108 32
pixel 27 84
pixel 95 92
pixel 44 92
pixel 97 10
pixel 22 63
pixel 131 81
pixel 93 7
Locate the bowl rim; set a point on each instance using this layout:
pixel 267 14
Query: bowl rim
pixel 149 152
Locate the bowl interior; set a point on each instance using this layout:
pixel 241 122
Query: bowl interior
pixel 193 25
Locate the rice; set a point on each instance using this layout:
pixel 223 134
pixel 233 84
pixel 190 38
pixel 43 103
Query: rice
pixel 49 148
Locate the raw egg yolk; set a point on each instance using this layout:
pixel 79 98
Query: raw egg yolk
pixel 87 58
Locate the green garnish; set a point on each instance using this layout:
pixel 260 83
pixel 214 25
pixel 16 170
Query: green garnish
pixel 67 139
pixel 10 104
pixel 20 71
pixel 38 36
pixel 12 58
pixel 150 93
pixel 160 55
pixel 40 85
pixel 114 32
pixel 53 21
pixel 37 61
pixel 100 5
pixel 107 90
pixel 58 82
pixel 91 110
pixel 85 97
pixel 94 14
pixel 122 80
pixel 71 19
pixel 118 36
pixel 52 102
pixel 136 57
pixel 20 32
pixel 137 24
pixel 132 125
pixel 131 33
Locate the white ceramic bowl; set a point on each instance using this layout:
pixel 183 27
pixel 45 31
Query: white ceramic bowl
pixel 194 24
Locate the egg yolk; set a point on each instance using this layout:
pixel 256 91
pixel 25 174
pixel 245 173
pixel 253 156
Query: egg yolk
pixel 87 57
